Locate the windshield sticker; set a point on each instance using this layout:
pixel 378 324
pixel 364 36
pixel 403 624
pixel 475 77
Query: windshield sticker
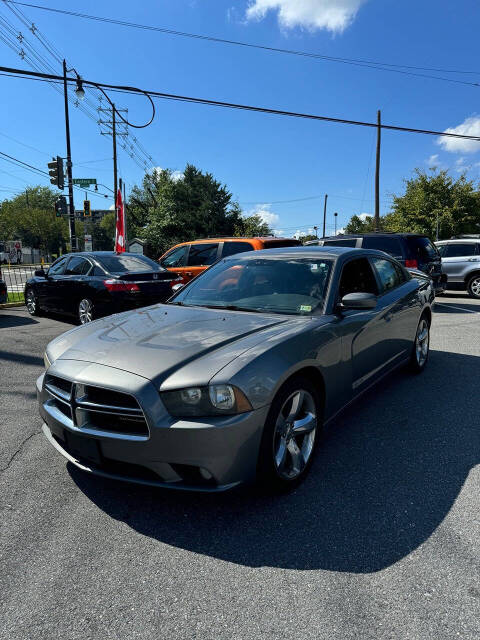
pixel 305 307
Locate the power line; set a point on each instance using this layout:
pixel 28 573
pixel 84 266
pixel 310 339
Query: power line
pixel 241 107
pixel 380 66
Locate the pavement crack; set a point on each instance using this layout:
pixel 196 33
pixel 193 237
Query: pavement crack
pixel 15 454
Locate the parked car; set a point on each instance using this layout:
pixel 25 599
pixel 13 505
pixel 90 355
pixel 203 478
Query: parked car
pixel 3 289
pixel 234 378
pixel 90 285
pixel 188 259
pixel 413 250
pixel 461 263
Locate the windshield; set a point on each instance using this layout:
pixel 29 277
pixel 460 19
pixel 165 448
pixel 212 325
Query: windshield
pixel 123 263
pixel 275 285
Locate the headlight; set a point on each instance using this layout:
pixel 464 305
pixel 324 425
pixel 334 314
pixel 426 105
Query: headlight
pixel 214 400
pixel 46 360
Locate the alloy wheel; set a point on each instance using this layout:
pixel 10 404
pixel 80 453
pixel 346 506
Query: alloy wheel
pixel 294 435
pixel 422 342
pixel 475 287
pixel 85 311
pixel 31 302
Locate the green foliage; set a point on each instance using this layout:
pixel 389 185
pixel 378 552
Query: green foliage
pixel 427 196
pixel 165 210
pixel 357 225
pixel 251 226
pixel 455 202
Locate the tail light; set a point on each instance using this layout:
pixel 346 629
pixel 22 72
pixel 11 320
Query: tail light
pixel 120 285
pixel 175 281
pixel 412 264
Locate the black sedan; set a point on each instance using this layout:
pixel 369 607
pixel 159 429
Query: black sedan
pixel 90 285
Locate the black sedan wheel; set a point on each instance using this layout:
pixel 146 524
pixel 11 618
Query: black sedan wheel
pixel 85 311
pixel 290 436
pixel 31 302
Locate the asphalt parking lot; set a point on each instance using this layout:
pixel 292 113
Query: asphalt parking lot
pixel 381 541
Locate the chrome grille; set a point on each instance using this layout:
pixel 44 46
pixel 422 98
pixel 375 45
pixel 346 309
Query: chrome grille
pixel 96 409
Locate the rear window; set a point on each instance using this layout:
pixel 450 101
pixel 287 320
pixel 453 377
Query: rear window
pixel 202 254
pixel 287 242
pixel 123 263
pixel 384 243
pixel 421 248
pixel 341 243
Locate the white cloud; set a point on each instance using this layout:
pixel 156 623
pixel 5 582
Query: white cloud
pixel 470 127
pixel 112 207
pixel 267 216
pixel 177 175
pixel 332 15
pixel 277 232
pixel 433 161
pixel 364 216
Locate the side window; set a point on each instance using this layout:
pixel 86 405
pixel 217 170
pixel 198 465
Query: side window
pixel 57 267
pixel 388 273
pixel 230 248
pixel 458 250
pixel 442 248
pixel 202 254
pixel 357 277
pixel 97 271
pixel 77 266
pixel 384 243
pixel 176 257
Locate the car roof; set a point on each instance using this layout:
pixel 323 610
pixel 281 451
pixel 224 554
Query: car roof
pixel 459 241
pixel 101 254
pixel 374 234
pixel 334 253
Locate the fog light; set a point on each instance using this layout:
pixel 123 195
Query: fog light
pixel 206 475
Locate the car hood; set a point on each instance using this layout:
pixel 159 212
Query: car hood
pixel 157 341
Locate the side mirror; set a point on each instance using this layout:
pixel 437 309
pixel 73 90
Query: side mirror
pixel 177 287
pixel 359 301
pixel 41 273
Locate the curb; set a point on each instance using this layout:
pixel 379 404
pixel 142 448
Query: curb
pixel 10 305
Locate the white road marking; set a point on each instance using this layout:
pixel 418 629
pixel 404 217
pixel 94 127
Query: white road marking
pixel 451 306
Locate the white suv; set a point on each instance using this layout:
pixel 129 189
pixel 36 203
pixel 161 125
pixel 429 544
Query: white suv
pixel 461 263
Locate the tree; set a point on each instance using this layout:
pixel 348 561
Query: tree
pixel 251 226
pixel 357 224
pixel 432 196
pixel 166 210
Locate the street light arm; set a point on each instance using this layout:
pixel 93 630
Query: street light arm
pixel 130 124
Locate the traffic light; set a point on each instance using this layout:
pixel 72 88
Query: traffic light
pixel 61 207
pixel 87 211
pixel 55 170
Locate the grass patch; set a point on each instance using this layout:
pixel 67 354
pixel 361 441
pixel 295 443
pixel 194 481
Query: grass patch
pixel 15 296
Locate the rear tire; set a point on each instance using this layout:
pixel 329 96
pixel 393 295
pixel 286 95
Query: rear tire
pixel 473 286
pixel 31 302
pixel 421 346
pixel 290 436
pixel 86 311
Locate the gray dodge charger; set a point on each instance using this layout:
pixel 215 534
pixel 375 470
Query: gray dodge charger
pixel 233 380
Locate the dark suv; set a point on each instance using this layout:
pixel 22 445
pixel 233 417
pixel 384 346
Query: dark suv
pixel 413 250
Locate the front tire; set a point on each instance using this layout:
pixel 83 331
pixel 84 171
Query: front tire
pixel 31 302
pixel 421 346
pixel 290 436
pixel 473 287
pixel 86 311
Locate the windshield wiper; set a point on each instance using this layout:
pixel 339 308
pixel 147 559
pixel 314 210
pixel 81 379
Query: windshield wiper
pixel 231 307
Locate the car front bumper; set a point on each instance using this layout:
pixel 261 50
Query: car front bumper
pixel 208 454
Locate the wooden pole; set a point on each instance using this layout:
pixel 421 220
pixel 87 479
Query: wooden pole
pixel 377 173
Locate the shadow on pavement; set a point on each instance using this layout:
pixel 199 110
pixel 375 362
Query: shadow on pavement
pixel 387 475
pixel 7 320
pixel 10 356
pixel 446 307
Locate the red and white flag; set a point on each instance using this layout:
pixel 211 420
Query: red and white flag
pixel 120 225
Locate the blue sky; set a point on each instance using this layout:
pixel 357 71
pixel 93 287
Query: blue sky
pixel 263 159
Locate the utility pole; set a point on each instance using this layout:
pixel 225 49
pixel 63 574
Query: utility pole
pixel 112 124
pixel 335 216
pixel 324 215
pixel 377 173
pixel 71 211
pixel 315 228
